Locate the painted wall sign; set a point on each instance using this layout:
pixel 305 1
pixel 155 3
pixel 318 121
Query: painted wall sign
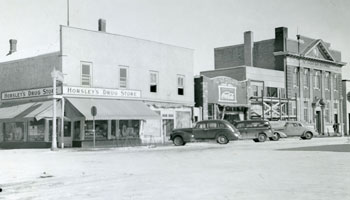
pixel 20 94
pixel 227 94
pixel 101 92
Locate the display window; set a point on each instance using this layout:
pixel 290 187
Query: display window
pixel 13 131
pixel 101 129
pixel 36 130
pixel 129 128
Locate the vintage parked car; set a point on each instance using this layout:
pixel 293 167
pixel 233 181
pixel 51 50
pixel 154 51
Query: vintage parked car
pixel 219 130
pixel 258 130
pixel 293 128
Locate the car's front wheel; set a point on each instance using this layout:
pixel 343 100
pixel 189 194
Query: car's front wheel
pixel 308 135
pixel 178 141
pixel 276 136
pixel 221 139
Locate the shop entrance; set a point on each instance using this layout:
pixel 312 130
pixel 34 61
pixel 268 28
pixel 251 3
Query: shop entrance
pixel 318 121
pixel 168 126
pixel 232 118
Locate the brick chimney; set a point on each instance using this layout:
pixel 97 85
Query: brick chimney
pixel 13 46
pixel 281 35
pixel 248 48
pixel 102 25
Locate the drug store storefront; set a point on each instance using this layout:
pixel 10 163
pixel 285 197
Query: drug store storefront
pixel 26 117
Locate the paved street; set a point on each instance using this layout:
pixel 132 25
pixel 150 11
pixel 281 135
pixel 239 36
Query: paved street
pixel 287 169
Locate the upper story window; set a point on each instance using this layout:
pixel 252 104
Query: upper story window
pixel 296 77
pixel 180 85
pixel 317 80
pixel 327 81
pixel 335 84
pixel 153 81
pixel 123 77
pixel 306 78
pixel 86 74
pixel 271 92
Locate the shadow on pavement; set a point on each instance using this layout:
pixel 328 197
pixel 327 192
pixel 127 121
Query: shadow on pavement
pixel 333 148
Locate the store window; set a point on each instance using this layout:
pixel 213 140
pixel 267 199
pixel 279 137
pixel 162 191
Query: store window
pixel 67 129
pixel 180 85
pixel 153 81
pixel 101 129
pixel 129 128
pixel 36 130
pixel 86 74
pixel 123 77
pixel 13 131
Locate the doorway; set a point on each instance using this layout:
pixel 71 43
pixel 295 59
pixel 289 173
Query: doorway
pixel 318 121
pixel 168 126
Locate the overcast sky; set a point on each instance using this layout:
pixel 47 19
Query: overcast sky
pixel 201 25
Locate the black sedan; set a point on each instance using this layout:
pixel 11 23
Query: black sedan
pixel 219 130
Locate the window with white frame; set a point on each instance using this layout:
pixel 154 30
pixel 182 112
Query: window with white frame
pixel 306 78
pixel 123 76
pixel 180 85
pixel 153 76
pixel 317 80
pixel 306 111
pixel 335 82
pixel 296 77
pixel 327 81
pixel 86 74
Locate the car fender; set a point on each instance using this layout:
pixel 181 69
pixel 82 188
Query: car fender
pixel 282 134
pixel 185 136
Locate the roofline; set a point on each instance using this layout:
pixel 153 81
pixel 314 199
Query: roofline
pixel 114 34
pixel 31 57
pixel 282 53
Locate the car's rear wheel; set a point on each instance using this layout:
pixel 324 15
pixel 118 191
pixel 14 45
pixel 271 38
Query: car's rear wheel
pixel 221 139
pixel 178 141
pixel 308 135
pixel 276 136
pixel 262 137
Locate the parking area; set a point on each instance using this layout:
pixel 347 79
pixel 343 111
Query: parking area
pixel 286 169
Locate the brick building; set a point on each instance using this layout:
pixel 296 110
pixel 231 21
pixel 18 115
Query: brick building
pixel 311 71
pixel 142 89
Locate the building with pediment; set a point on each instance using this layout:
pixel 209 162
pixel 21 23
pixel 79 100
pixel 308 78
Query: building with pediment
pixel 310 69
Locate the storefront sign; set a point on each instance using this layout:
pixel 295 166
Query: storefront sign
pixel 227 94
pixel 101 92
pixel 20 94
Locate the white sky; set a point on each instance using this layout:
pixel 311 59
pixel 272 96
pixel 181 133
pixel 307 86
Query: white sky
pixel 198 24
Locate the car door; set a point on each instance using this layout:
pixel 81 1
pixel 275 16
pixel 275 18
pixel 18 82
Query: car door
pixel 242 129
pixel 213 130
pixel 298 129
pixel 252 129
pixel 199 132
pixel 289 129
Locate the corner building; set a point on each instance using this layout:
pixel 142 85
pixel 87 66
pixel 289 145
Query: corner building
pixel 141 89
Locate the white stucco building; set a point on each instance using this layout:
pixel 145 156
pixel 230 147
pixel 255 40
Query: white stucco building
pixel 142 89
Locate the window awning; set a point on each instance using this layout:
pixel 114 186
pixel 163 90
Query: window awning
pixel 108 109
pixel 11 112
pixel 38 110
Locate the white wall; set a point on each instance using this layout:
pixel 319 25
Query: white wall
pixel 108 51
pixel 272 78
